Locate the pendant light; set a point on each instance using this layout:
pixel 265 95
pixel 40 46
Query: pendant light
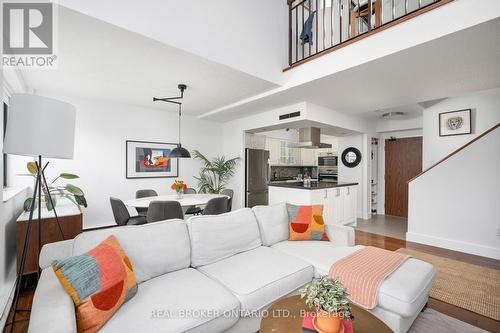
pixel 178 152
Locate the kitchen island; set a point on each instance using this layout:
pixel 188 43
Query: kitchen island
pixel 339 200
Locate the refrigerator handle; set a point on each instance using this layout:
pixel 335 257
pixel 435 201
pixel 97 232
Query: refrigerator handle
pixel 268 180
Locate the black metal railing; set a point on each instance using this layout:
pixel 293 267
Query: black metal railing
pixel 315 26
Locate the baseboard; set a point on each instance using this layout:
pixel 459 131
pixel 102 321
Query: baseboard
pixel 451 244
pixel 6 302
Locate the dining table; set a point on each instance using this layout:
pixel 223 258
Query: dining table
pixel 187 200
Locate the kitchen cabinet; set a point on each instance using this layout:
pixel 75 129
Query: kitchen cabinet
pixel 308 157
pixel 339 203
pixel 274 146
pixel 255 141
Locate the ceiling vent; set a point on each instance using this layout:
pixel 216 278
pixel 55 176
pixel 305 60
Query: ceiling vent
pixel 392 115
pixel 290 115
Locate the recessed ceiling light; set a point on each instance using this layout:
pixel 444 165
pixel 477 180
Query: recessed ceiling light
pixel 392 115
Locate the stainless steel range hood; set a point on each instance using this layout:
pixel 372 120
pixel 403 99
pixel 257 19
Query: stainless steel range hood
pixel 309 137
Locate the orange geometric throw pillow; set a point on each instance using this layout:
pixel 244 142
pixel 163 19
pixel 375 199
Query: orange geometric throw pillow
pixel 99 282
pixel 306 222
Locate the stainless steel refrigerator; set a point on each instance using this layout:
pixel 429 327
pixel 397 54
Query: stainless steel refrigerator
pixel 257 172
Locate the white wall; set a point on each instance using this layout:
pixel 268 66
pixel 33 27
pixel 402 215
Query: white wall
pixel 357 174
pixel 485 107
pixel 455 205
pixel 101 131
pixel 9 211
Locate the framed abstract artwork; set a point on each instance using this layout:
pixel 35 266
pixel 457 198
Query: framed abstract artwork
pixel 455 123
pixel 150 160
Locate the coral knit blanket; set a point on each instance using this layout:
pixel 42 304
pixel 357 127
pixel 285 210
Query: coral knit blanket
pixel 363 272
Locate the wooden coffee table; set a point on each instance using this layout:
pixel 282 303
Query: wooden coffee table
pixel 285 316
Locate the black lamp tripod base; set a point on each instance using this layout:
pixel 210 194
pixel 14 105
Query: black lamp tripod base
pixel 37 194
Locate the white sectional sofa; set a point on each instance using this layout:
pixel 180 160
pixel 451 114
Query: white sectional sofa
pixel 215 274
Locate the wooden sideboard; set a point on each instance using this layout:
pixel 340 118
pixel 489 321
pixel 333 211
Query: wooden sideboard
pixel 70 219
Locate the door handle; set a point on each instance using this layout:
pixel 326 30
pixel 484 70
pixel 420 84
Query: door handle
pixel 348 191
pixel 326 195
pixel 338 192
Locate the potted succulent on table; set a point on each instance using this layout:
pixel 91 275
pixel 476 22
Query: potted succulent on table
pixel 329 299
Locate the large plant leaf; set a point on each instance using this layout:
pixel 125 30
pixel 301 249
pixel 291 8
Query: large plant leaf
pixel 65 175
pixel 27 204
pixel 73 189
pixel 80 199
pixel 32 168
pixel 50 205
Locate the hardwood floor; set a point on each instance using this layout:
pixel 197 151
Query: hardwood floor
pixel 362 238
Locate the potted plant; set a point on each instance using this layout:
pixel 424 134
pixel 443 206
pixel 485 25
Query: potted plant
pixel 215 174
pixel 179 187
pixel 68 191
pixel 329 299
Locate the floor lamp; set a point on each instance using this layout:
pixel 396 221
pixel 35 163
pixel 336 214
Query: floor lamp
pixel 40 127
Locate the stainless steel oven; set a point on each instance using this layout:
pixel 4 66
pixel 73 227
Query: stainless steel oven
pixel 327 160
pixel 328 174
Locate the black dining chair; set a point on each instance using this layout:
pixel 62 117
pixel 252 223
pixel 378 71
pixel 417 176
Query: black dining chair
pixel 121 214
pixel 192 210
pixel 164 210
pixel 216 206
pixel 230 194
pixel 144 194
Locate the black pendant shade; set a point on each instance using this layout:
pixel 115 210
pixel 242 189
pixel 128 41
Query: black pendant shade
pixel 178 152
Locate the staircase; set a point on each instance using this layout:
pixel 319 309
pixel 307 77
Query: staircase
pixel 454 203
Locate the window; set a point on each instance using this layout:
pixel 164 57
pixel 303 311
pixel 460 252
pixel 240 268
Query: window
pixel 5 111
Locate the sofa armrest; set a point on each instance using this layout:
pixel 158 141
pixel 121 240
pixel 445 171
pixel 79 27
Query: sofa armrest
pixel 53 309
pixel 55 251
pixel 340 234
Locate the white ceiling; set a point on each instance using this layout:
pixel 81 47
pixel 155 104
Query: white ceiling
pixel 101 61
pixel 458 63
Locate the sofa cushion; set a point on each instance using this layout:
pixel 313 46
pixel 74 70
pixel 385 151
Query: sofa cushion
pixel 215 237
pixel 154 249
pixel 99 282
pixel 185 300
pixel 401 292
pixel 260 276
pixel 306 222
pixel 321 255
pixel 273 223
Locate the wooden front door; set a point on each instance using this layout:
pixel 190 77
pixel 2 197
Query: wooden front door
pixel 403 161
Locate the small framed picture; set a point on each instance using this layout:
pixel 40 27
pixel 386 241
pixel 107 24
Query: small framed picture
pixel 455 123
pixel 150 160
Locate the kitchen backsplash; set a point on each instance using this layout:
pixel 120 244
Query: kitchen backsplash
pixel 291 172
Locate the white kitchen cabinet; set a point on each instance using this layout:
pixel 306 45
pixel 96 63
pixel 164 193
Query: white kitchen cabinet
pixel 255 141
pixel 350 207
pixel 339 203
pixel 307 157
pixel 273 145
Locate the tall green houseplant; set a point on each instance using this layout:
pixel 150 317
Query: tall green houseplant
pixel 215 174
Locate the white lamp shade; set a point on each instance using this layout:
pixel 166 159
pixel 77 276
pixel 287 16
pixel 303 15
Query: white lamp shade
pixel 40 126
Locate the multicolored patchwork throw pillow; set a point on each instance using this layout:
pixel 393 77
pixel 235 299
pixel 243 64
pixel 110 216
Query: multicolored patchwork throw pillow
pixel 306 222
pixel 99 282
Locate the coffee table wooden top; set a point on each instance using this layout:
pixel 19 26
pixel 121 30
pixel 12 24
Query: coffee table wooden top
pixel 285 316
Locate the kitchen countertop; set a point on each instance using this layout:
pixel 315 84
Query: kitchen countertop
pixel 314 185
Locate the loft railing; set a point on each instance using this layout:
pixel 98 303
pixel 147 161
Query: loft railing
pixel 317 26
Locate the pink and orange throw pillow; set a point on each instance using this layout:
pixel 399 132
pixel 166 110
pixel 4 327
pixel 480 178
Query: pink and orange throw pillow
pixel 306 222
pixel 99 282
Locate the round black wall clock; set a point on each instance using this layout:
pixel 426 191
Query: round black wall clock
pixel 351 157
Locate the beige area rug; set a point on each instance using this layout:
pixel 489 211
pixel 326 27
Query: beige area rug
pixel 471 287
pixel 431 321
